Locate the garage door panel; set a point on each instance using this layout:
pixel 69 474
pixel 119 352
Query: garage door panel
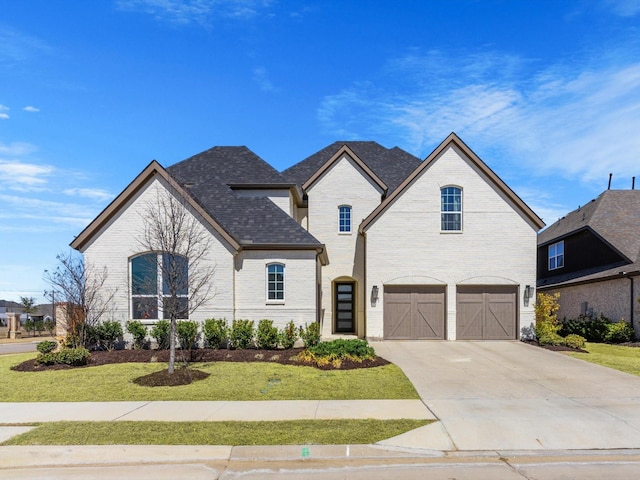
pixel 414 312
pixel 487 312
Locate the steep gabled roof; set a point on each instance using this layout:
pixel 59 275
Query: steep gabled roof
pixel 388 166
pixel 153 169
pixel 453 139
pixel 614 217
pixel 203 180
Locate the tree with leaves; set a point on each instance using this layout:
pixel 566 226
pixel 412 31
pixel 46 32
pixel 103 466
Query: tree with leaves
pixel 178 243
pixel 28 307
pixel 81 288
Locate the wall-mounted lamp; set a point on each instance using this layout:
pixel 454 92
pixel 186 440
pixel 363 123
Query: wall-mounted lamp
pixel 374 293
pixel 528 294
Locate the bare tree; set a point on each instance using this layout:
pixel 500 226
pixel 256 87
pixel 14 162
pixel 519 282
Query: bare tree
pixel 28 307
pixel 178 243
pixel 82 289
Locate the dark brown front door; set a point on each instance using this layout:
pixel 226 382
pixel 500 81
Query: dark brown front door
pixel 344 307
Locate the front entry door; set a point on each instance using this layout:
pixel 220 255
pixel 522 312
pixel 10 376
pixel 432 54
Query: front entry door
pixel 344 306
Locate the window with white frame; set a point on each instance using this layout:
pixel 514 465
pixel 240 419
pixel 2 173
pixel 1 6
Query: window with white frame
pixel 275 282
pixel 556 255
pixel 159 286
pixel 451 209
pixel 344 219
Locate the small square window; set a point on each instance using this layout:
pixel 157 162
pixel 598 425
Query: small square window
pixel 556 255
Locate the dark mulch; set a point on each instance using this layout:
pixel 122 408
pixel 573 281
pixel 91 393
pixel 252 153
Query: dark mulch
pixel 284 357
pixel 180 376
pixel 555 348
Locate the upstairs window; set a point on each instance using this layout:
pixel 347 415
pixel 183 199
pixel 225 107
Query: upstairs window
pixel 556 255
pixel 159 286
pixel 451 209
pixel 275 282
pixel 344 219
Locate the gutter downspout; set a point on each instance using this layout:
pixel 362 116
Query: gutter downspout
pixel 632 303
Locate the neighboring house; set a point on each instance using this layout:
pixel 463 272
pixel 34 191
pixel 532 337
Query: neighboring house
pixel 365 240
pixel 592 258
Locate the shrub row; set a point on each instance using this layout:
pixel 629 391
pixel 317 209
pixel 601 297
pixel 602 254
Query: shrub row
pixel 336 351
pixel 598 329
pixel 216 333
pixel 67 356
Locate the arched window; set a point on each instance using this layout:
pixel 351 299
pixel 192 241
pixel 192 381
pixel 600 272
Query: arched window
pixel 451 209
pixel 159 286
pixel 275 282
pixel 344 219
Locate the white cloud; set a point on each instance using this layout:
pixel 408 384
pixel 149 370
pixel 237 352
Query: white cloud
pixel 45 211
pixel 24 174
pixel 261 77
pixel 30 108
pixel 16 149
pixel 185 12
pixel 91 193
pixel 624 8
pixel 3 115
pixel 579 122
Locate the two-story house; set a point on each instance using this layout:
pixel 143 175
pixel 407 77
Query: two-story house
pixel 591 257
pixel 365 240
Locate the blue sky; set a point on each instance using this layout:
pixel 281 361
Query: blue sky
pixel 546 92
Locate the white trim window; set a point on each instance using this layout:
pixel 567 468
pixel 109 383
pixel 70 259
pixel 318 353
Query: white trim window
pixel 275 282
pixel 159 286
pixel 556 255
pixel 344 219
pixel 451 209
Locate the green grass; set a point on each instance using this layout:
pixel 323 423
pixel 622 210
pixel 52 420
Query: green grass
pixel 625 359
pixel 228 381
pixel 297 432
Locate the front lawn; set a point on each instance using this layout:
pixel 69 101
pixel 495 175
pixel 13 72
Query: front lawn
pixel 295 432
pixel 227 381
pixel 625 359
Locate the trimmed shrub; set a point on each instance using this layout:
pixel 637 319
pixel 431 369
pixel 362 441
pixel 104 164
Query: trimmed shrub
pixel 310 334
pixel 160 332
pixel 288 335
pixel 267 335
pixel 47 346
pixel 336 351
pixel 592 329
pixel 619 332
pixel 187 331
pixel 104 335
pixel 574 341
pixel 215 332
pixel 242 333
pixel 69 356
pixel 139 333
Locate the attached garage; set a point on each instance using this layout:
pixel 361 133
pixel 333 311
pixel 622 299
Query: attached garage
pixel 486 312
pixel 414 312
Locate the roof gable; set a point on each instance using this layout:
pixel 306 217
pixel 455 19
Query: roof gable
pixel 454 140
pixel 390 166
pixel 614 217
pixel 147 175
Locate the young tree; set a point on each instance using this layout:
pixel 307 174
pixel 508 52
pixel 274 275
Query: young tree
pixel 179 243
pixel 28 307
pixel 82 289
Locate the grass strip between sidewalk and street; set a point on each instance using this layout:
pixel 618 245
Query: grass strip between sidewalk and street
pixel 619 357
pixel 293 432
pixel 227 381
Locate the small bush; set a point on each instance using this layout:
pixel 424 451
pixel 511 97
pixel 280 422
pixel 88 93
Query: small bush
pixel 267 335
pixel 574 341
pixel 288 335
pixel 592 329
pixel 354 348
pixel 68 356
pixel 161 332
pixel 550 338
pixel 619 332
pixel 107 334
pixel 187 331
pixel 47 346
pixel 139 333
pixel 242 333
pixel 215 332
pixel 310 334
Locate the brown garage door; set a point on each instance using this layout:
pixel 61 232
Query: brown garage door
pixel 414 312
pixel 486 312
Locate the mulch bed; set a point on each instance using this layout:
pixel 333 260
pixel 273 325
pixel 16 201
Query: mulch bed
pixel 284 357
pixel 555 348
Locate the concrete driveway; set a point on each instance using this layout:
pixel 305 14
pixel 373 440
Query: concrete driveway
pixel 513 396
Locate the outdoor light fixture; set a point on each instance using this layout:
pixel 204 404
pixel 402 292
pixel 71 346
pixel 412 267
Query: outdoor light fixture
pixel 528 294
pixel 374 293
